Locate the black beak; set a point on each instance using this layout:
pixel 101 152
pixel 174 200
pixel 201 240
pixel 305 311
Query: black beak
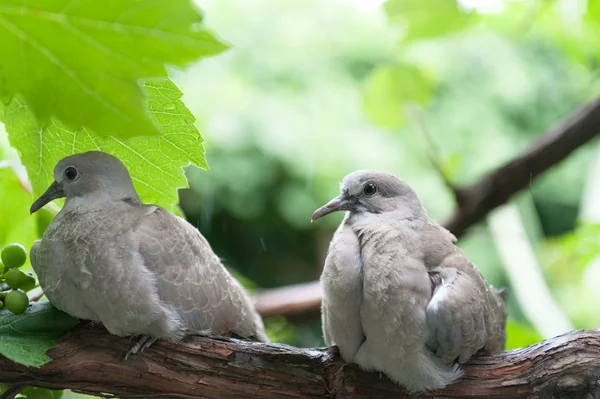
pixel 54 191
pixel 339 203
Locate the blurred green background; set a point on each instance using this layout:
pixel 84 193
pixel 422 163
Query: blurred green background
pixel 313 89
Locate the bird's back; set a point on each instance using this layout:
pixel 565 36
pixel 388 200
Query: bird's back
pixel 192 279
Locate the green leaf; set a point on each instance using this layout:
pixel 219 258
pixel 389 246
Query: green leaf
pixel 426 20
pixel 155 163
pixel 17 225
pixel 27 337
pixel 81 60
pixel 390 88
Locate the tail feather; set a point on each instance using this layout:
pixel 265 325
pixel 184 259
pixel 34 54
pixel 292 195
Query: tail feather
pixel 426 373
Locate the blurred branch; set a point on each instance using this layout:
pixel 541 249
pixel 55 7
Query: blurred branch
pixel 291 299
pixel 497 187
pixel 491 191
pixel 90 360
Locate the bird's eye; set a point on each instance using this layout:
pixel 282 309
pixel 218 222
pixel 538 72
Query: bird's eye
pixel 71 173
pixel 370 189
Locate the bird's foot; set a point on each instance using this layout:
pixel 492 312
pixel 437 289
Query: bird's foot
pixel 340 372
pixel 149 342
pixel 142 343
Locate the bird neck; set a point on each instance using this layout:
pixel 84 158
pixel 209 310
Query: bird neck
pixel 399 213
pixel 379 223
pixel 98 201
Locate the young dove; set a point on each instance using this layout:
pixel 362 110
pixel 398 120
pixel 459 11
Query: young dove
pixel 398 296
pixel 136 268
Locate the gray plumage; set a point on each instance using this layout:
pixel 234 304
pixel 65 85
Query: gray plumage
pixel 136 268
pixel 398 296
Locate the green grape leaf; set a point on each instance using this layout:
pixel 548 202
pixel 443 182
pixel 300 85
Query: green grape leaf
pixel 26 337
pixel 390 88
pixel 426 20
pixel 17 225
pixel 81 61
pixel 155 163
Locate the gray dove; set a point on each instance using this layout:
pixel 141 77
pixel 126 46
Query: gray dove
pixel 398 296
pixel 136 268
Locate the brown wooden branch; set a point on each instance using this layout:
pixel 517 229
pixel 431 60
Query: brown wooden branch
pixel 297 299
pixel 498 186
pixel 89 359
pixel 474 201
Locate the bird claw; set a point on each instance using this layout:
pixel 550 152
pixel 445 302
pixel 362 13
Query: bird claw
pixel 141 344
pixel 147 344
pixel 340 372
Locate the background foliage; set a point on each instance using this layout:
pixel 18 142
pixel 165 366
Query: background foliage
pixel 307 92
pixel 346 85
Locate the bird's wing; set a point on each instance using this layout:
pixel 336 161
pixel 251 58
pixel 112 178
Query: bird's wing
pixel 342 294
pixel 396 288
pixel 465 314
pixel 325 322
pixel 191 278
pixel 33 251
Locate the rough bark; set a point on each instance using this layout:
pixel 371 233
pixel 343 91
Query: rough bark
pixel 91 360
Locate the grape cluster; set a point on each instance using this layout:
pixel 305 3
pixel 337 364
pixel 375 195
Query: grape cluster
pixel 13 281
pixel 13 285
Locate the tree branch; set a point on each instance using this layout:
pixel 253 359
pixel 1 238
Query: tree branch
pixel 89 359
pixel 474 201
pixel 497 187
pixel 288 300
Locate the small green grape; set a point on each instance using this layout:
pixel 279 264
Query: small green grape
pixel 16 301
pixel 1 304
pixel 15 278
pixel 1 267
pixel 57 394
pixel 30 284
pixel 13 255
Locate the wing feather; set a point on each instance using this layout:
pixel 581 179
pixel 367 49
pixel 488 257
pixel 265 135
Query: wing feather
pixel 464 315
pixel 191 279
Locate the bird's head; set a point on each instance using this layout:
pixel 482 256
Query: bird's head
pixel 368 191
pixel 94 176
